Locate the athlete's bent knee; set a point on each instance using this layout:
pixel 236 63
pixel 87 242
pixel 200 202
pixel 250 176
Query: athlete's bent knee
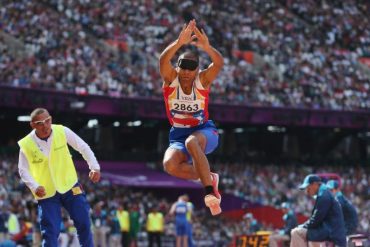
pixel 169 166
pixel 191 143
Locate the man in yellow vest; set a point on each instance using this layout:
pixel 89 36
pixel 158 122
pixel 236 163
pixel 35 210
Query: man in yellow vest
pixel 155 227
pixel 124 222
pixel 46 167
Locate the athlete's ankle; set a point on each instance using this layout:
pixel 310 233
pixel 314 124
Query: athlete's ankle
pixel 209 189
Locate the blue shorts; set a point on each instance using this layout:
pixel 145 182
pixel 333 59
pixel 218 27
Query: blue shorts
pixel 179 135
pixel 181 227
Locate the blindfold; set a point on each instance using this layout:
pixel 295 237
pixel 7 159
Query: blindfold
pixel 188 64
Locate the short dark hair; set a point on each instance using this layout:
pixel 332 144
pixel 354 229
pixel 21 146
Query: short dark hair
pixel 37 112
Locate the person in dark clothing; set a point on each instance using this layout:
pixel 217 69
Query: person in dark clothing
pixel 326 222
pixel 4 216
pixel 251 224
pixel 290 221
pixel 349 211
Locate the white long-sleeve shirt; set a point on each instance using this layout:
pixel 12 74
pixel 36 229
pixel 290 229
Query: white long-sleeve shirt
pixel 44 145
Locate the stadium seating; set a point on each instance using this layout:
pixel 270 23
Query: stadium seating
pixel 296 55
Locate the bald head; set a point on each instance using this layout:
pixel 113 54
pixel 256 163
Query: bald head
pixel 37 112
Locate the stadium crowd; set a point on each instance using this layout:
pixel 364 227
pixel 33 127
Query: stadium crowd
pixel 304 54
pixel 18 211
pixel 243 180
pixel 249 182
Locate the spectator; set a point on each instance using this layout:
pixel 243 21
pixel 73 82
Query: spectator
pixel 124 222
pixel 251 224
pixel 326 222
pixel 99 221
pixel 155 227
pixel 14 226
pixel 24 237
pixel 301 54
pixel 349 211
pixel 134 224
pixel 290 221
pixel 3 223
pixel 180 210
pixel 189 218
pixel 242 179
pixel 115 228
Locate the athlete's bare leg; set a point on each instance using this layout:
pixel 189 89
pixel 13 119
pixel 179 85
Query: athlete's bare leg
pixel 195 144
pixel 175 163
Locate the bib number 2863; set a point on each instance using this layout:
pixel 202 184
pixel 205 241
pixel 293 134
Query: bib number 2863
pixel 188 107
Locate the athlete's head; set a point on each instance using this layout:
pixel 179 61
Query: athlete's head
pixel 41 122
pixel 188 66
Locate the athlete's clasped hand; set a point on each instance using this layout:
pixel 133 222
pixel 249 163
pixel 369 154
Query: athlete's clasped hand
pixel 190 34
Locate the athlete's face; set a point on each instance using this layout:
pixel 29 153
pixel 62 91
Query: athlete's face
pixel 42 125
pixel 187 76
pixel 187 69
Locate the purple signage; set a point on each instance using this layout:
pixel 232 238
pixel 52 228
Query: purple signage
pixel 137 174
pixel 24 98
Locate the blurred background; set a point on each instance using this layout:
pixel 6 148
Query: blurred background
pixel 293 98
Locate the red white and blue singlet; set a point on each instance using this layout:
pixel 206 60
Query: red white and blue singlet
pixel 186 111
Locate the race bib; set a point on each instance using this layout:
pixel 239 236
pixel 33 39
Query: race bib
pixel 180 210
pixel 186 106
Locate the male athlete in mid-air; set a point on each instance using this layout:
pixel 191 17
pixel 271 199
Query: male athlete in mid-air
pixel 186 94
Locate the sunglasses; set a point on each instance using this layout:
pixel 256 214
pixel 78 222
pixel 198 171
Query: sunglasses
pixel 42 122
pixel 188 64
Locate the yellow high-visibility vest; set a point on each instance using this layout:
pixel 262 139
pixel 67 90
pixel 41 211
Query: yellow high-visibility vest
pixel 13 224
pixel 155 222
pixel 189 212
pixel 124 220
pixel 56 172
